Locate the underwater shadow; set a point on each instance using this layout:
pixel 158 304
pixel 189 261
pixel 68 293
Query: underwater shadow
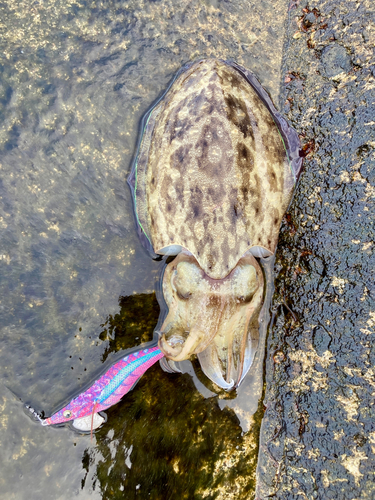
pixel 164 440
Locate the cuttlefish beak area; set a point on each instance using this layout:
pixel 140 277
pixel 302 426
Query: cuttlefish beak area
pixel 217 319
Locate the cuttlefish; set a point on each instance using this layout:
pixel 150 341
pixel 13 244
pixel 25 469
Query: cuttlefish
pixel 213 176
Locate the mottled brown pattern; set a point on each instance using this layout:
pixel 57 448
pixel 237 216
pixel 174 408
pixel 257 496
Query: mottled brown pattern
pixel 213 173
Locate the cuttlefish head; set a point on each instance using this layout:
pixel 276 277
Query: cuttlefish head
pixel 217 319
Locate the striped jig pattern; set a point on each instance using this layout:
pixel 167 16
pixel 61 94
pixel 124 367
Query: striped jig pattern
pixel 109 388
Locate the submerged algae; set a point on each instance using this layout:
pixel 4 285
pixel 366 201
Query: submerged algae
pixel 165 440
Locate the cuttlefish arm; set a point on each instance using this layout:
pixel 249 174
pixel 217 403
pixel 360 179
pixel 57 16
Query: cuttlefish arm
pixel 215 319
pixel 232 350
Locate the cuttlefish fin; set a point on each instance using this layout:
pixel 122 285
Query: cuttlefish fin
pixel 249 354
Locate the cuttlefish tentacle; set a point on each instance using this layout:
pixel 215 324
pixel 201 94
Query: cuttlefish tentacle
pixel 233 349
pixel 199 336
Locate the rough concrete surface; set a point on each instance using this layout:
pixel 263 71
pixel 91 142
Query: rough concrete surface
pixel 318 433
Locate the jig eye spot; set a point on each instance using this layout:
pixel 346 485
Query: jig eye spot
pixel 67 414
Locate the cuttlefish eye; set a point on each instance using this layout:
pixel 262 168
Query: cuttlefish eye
pixel 67 414
pixel 245 283
pixel 186 279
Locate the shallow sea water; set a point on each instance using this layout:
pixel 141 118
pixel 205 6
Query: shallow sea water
pixel 76 286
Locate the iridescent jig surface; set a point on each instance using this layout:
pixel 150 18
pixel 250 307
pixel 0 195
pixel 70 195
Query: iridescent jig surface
pixel 109 388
